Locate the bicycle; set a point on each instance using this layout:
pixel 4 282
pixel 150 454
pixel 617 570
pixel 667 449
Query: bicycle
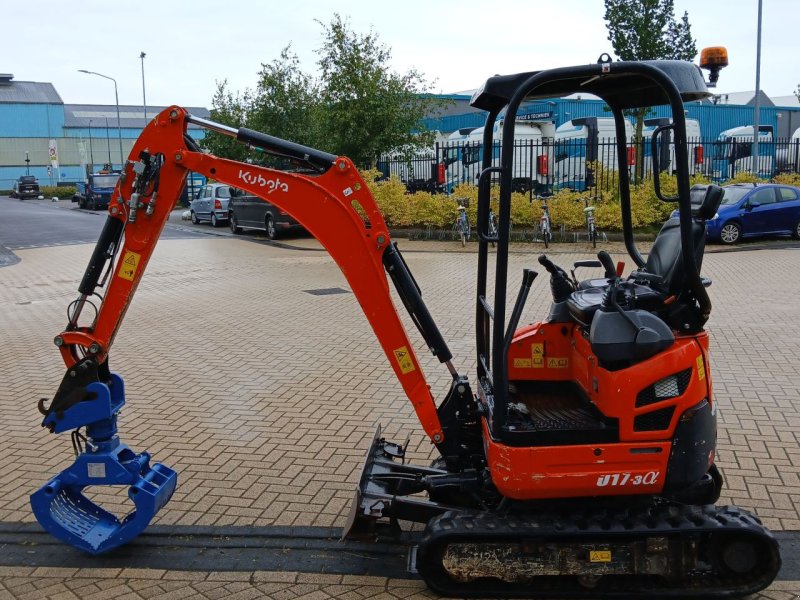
pixel 544 225
pixel 492 225
pixel 590 223
pixel 461 228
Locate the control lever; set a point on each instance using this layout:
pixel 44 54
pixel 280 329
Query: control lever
pixel 560 285
pixel 608 264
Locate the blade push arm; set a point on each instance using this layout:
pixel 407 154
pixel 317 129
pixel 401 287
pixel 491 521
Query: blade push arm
pixel 335 206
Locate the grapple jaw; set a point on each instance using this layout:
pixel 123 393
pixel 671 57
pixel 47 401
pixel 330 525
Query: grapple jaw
pixel 60 505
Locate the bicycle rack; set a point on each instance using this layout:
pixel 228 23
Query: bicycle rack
pixel 60 505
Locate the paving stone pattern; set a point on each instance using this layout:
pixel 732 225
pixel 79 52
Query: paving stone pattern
pixel 264 397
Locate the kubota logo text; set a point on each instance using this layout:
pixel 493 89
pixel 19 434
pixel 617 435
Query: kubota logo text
pixel 260 180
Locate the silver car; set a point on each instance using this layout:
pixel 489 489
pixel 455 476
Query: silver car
pixel 211 204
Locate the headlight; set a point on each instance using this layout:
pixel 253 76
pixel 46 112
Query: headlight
pixel 715 217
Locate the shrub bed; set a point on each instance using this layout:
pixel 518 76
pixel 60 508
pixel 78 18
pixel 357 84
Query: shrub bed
pixel 423 209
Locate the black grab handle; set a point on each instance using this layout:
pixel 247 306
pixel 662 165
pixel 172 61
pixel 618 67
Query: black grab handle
pixel 275 145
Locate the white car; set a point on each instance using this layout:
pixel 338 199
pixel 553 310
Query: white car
pixel 211 204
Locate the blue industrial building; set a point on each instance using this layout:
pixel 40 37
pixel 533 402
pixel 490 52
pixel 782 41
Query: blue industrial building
pixel 713 118
pixel 32 114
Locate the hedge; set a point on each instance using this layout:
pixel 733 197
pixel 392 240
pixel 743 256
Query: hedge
pixel 424 209
pixel 61 192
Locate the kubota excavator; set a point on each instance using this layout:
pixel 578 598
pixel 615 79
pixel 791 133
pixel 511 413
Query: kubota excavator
pixel 579 462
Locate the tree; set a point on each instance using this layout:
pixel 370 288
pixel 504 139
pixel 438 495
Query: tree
pixel 286 101
pixel 647 30
pixel 229 109
pixel 367 109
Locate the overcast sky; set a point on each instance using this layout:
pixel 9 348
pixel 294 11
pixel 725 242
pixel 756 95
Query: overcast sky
pixel 190 45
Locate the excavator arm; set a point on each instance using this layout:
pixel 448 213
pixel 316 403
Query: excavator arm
pixel 335 206
pixel 333 203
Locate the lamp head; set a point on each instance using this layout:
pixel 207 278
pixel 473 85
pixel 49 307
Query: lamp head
pixel 714 59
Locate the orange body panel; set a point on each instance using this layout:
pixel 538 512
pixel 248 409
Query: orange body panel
pixel 330 206
pixel 528 473
pixel 637 463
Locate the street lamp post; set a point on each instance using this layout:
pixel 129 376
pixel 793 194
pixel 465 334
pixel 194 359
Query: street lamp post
pixel 27 163
pixel 757 107
pixel 144 97
pixel 116 99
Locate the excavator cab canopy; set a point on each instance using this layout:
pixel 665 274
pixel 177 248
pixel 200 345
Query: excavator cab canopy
pixel 620 89
pixel 622 85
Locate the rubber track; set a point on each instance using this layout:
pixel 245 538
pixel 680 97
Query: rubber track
pixel 597 525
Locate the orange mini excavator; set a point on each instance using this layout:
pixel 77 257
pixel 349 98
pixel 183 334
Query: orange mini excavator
pixel 579 460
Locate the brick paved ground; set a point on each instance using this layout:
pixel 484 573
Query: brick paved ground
pixel 264 397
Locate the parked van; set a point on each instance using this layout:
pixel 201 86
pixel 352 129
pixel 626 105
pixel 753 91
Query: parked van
pixel 532 156
pixel 585 140
pixel 666 150
pixel 733 153
pixel 788 154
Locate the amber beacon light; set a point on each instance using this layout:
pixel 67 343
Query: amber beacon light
pixel 714 59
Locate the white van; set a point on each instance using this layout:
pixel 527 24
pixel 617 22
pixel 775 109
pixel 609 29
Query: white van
pixel 733 153
pixel 533 146
pixel 588 139
pixel 666 155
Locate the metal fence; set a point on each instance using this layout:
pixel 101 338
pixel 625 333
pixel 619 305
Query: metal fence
pixel 544 166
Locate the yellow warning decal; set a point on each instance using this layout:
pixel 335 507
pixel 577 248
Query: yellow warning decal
pixel 522 363
pixel 404 361
pixel 557 363
pixel 130 262
pixel 596 556
pixel 537 355
pixel 701 368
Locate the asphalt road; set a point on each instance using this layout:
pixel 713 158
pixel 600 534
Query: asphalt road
pixel 41 223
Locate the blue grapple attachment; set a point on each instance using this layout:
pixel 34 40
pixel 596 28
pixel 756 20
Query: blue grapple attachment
pixel 101 460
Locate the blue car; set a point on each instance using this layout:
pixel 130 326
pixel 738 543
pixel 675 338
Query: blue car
pixel 753 210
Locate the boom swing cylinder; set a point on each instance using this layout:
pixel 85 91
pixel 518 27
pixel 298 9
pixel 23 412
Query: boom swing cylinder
pixel 581 464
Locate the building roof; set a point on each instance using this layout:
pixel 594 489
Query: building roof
pixel 80 115
pixel 27 92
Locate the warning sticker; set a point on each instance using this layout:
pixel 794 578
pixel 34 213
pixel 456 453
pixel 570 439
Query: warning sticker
pixel 701 368
pixel 404 360
pixel 537 356
pixel 130 263
pixel 557 363
pixel 599 556
pixel 522 363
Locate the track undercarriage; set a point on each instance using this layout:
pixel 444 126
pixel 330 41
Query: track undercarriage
pixel 477 546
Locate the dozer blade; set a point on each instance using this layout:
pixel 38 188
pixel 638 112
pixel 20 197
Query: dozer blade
pixel 661 551
pixel 63 509
pixel 384 493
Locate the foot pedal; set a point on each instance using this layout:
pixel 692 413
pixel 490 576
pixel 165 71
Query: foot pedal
pixel 60 505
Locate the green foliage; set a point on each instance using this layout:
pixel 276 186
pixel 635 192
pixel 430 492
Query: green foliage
pixel 357 107
pixel 647 30
pixel 422 209
pixel 229 109
pixel 744 177
pixel 367 108
pixel 285 102
pixel 788 179
pixel 60 192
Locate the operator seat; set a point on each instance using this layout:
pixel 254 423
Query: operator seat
pixel 667 294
